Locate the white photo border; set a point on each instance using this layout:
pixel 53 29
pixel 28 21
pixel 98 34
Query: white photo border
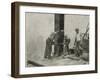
pixel 55 69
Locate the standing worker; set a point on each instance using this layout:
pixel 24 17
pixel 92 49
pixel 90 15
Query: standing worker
pixel 77 43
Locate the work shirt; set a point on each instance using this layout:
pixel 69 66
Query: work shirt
pixel 77 37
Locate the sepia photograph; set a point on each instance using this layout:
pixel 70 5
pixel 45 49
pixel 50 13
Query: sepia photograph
pixel 56 39
pixel 53 39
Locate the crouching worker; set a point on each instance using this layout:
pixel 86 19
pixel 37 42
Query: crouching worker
pixel 66 46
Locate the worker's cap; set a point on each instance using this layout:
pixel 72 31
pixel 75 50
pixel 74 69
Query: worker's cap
pixel 76 29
